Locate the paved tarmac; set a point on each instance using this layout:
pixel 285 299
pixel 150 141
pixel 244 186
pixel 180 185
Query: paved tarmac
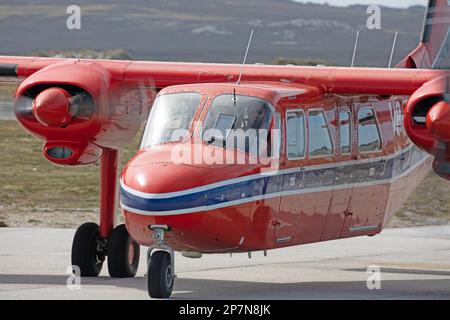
pixel 414 264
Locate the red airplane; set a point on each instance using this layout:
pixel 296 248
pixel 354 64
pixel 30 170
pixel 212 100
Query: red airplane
pixel 338 150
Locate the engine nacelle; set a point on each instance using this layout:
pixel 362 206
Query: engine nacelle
pixel 427 122
pixel 78 109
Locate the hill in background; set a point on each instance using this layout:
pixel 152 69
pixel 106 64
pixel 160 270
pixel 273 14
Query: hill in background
pixel 210 31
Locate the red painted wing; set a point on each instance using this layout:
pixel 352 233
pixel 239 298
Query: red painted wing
pixel 337 80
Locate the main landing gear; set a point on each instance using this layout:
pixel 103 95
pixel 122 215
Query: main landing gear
pixel 160 265
pixel 89 251
pixel 93 243
pixel 123 254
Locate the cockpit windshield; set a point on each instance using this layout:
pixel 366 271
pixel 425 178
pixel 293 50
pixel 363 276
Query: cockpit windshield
pixel 171 118
pixel 239 122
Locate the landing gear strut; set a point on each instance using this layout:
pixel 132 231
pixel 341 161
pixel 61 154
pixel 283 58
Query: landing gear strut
pixel 93 243
pixel 160 265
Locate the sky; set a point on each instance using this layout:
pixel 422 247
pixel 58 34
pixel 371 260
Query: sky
pixel 388 3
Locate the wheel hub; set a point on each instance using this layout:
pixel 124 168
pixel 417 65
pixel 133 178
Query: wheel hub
pixel 169 277
pixel 130 253
pixel 101 250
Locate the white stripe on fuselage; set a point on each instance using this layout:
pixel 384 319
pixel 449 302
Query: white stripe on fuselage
pixel 275 194
pixel 254 177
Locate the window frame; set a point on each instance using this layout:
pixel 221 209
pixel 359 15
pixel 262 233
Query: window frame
pixel 350 129
pixel 209 102
pixel 305 127
pixel 192 127
pixel 277 126
pixel 333 151
pixel 378 131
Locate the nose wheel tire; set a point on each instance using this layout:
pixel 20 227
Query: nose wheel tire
pixel 88 251
pixel 160 278
pixel 123 254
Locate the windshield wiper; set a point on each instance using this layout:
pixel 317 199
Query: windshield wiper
pixel 214 139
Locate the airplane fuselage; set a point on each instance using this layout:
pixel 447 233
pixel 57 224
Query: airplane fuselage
pixel 341 166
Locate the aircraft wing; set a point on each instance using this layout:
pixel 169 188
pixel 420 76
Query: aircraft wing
pixel 107 81
pixel 114 85
pixel 337 80
pixel 16 69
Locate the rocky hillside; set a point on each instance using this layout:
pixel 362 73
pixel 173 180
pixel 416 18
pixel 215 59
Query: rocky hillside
pixel 213 30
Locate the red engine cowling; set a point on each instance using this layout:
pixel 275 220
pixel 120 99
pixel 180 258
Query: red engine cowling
pixel 427 122
pixel 79 108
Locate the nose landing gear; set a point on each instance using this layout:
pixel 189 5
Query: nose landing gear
pixel 161 265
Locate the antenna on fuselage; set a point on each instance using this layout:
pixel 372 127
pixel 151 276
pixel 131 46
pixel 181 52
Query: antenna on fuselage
pixel 354 49
pixel 392 51
pixel 245 57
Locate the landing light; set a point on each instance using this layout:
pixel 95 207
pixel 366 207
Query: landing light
pixel 59 152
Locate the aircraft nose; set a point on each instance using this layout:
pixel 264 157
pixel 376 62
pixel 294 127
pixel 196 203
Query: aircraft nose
pixel 160 188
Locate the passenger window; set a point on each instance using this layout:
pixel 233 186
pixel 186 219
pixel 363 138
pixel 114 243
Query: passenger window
pixel 345 131
pixel 295 134
pixel 319 136
pixel 369 139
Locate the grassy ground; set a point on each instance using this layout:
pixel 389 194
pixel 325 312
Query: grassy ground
pixel 429 205
pixel 7 92
pixel 34 192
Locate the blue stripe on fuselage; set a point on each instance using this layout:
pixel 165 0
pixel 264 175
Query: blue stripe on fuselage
pixel 209 197
pixel 262 186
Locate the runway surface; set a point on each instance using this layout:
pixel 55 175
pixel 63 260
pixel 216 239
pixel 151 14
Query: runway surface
pixel 414 264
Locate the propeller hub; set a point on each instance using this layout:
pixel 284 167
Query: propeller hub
pixel 51 107
pixel 438 121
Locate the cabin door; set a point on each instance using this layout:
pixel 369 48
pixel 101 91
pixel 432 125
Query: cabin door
pixel 369 195
pixel 290 205
pixel 291 199
pixel 339 212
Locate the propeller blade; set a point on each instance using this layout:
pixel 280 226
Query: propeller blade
pixel 82 105
pixel 23 106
